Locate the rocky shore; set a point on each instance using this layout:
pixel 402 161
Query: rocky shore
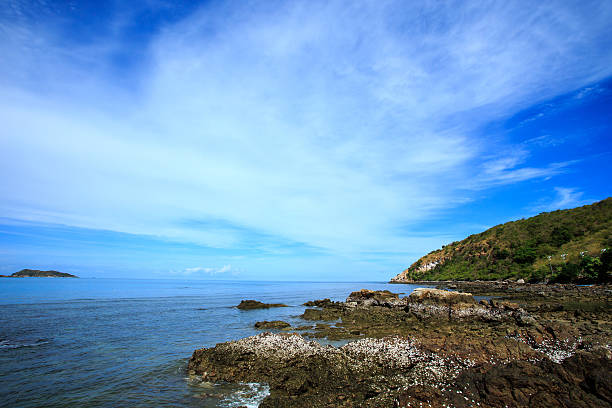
pixel 511 345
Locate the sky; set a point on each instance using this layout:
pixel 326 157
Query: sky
pixel 291 140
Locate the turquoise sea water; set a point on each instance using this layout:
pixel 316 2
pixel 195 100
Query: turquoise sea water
pixel 121 342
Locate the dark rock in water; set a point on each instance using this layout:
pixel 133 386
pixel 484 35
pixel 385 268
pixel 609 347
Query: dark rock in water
pixel 318 303
pixel 35 273
pixel 274 324
pixel 254 304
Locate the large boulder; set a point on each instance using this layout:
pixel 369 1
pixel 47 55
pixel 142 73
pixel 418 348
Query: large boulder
pixel 366 297
pixel 440 297
pixel 428 302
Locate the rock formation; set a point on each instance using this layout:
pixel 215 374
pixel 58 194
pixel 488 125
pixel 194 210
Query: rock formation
pixel 519 347
pixel 254 304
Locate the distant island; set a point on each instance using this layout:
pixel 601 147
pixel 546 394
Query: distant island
pixel 561 246
pixel 35 273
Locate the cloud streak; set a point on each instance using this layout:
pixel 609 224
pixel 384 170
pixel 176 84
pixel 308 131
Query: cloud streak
pixel 317 124
pixel 198 270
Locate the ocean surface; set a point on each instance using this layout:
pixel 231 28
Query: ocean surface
pixel 126 342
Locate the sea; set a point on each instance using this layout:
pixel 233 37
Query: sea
pixel 68 342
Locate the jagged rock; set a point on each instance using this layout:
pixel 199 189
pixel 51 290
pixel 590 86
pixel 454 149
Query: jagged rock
pixel 524 319
pixel 580 381
pixel 511 306
pixel 366 297
pixel 254 304
pixel 427 302
pixel 319 303
pixel 327 313
pixel 274 324
pixel 306 374
pixel 493 347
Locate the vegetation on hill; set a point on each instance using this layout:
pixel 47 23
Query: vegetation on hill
pixel 35 273
pixel 560 246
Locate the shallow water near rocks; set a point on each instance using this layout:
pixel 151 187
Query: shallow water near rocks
pixel 122 342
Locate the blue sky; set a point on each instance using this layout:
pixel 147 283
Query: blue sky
pixel 293 140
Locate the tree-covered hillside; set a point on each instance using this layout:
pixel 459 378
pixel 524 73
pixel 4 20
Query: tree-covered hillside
pixel 564 245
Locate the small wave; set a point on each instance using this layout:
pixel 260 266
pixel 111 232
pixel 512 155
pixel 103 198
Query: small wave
pixel 7 344
pixel 250 396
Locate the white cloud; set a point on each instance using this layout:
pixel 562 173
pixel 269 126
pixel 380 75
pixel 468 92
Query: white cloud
pixel 565 198
pixel 198 270
pixel 322 123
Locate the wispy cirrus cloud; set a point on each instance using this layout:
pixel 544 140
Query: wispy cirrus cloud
pixel 564 198
pixel 321 125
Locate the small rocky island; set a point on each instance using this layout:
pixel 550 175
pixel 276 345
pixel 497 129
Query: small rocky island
pixel 486 344
pixel 35 273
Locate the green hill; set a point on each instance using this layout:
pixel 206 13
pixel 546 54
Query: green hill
pixel 564 246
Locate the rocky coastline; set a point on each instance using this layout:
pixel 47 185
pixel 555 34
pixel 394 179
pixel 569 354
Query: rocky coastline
pixel 487 344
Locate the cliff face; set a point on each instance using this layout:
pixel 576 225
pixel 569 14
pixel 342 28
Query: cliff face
pixel 565 245
pixel 35 273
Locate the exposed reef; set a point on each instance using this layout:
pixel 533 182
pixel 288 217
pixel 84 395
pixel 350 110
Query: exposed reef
pixel 532 346
pixel 254 304
pixel 274 324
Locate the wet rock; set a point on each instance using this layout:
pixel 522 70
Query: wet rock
pixel 580 381
pixel 254 304
pixel 319 303
pixel 366 297
pixel 274 324
pixel 522 346
pixel 324 314
pixel 306 374
pixel 505 305
pixel 523 319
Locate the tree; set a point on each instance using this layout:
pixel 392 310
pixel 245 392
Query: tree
pixel 590 267
pixel 560 235
pixel 605 271
pixel 525 255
